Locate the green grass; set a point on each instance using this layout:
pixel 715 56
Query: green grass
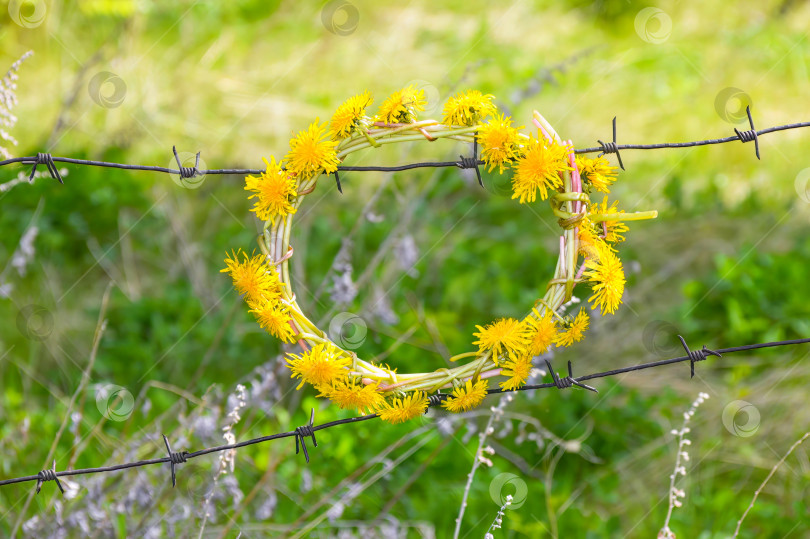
pixel 724 264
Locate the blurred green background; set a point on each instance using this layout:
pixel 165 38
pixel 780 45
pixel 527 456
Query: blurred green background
pixel 431 253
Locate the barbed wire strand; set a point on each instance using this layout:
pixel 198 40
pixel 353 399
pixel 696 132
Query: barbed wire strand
pixel 301 433
pixel 309 430
pixel 750 135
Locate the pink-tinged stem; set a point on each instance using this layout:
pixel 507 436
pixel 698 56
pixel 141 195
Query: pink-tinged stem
pixel 576 179
pixel 301 342
pixel 542 129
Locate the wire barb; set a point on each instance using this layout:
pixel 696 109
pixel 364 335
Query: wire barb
pixel 611 147
pixel 47 160
pixel 603 148
pixel 436 399
pixel 186 172
pixel 174 458
pixel 433 400
pixel 472 162
pixel 568 381
pixel 751 134
pixel 49 475
pixel 337 181
pixel 302 432
pixel 696 355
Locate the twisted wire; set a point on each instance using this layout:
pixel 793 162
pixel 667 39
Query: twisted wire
pixel 611 147
pixel 175 458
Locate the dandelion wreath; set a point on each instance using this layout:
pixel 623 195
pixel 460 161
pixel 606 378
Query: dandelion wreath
pixel 543 166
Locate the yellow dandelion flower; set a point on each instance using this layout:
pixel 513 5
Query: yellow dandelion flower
pixel 310 155
pixel 591 244
pixel 573 333
pixel 467 108
pixel 403 409
pixel 323 365
pixel 466 397
pixel 349 393
pixel 349 116
pixel 499 142
pixel 402 106
pixel 273 317
pixel 539 169
pixel 517 371
pixel 252 277
pixel 542 330
pixel 597 172
pixel 505 336
pixel 615 229
pixel 607 276
pixel 274 191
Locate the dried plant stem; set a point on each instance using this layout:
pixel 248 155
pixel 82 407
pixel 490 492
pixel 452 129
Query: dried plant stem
pixel 776 466
pixel 100 327
pixel 482 438
pixel 495 415
pixel 680 469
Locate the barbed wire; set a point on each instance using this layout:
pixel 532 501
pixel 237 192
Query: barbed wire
pixel 300 434
pixel 309 430
pixel 612 147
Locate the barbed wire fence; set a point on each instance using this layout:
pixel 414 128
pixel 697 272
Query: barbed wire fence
pixel 174 458
pixel 300 434
pixel 612 147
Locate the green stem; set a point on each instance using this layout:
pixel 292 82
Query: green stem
pixel 635 216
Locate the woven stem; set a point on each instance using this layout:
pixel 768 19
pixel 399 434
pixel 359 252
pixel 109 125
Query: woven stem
pixel 275 242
